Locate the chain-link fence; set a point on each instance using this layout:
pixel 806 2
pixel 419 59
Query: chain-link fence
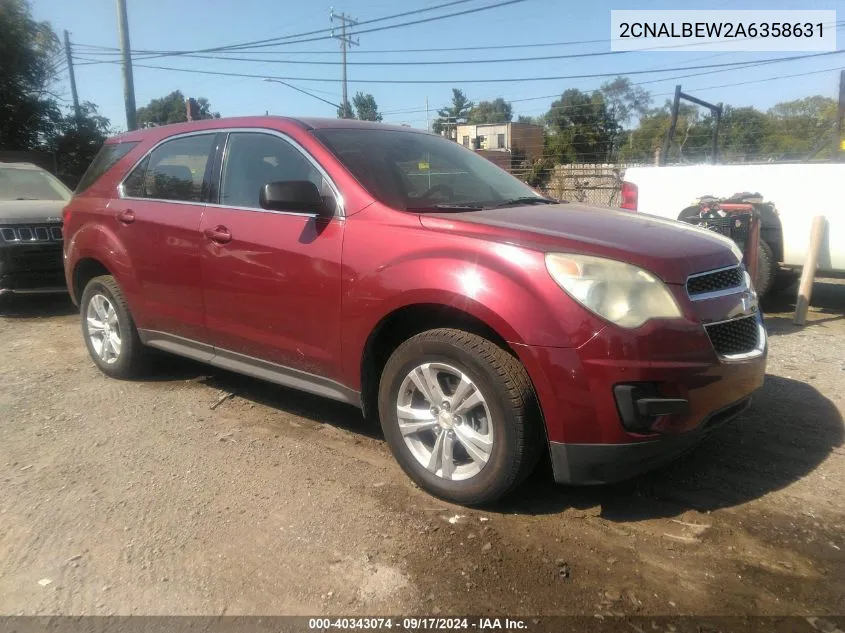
pixel 597 184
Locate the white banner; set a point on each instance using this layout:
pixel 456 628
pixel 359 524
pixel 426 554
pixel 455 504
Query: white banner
pixel 741 30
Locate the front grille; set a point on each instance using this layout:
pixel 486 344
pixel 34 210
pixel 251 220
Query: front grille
pixel 734 337
pixel 714 281
pixel 29 234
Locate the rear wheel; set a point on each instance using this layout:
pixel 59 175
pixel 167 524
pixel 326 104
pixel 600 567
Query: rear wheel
pixel 109 330
pixel 460 416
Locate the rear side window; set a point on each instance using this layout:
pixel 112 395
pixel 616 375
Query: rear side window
pixel 175 170
pixel 105 159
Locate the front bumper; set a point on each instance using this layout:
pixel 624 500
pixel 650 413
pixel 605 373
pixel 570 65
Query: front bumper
pixel 588 441
pixel 31 269
pixel 585 464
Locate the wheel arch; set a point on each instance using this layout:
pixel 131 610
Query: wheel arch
pixel 406 321
pixel 84 271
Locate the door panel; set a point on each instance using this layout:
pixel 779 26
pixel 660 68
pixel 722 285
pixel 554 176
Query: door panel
pixel 271 279
pixel 164 244
pixel 158 220
pixel 273 291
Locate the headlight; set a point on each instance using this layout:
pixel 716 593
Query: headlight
pixel 623 294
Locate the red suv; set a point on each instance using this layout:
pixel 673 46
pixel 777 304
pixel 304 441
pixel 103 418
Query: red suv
pixel 404 274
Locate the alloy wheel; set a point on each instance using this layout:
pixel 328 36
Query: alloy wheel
pixel 445 421
pixel 103 328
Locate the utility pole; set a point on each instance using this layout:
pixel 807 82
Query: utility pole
pixel 427 122
pixel 77 112
pixel 344 43
pixel 126 55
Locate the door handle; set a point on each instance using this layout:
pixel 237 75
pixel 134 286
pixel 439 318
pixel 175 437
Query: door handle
pixel 219 235
pixel 127 216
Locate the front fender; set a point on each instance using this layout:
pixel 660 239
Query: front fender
pixel 504 286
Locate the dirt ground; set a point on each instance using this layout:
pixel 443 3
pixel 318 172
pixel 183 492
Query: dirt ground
pixel 138 498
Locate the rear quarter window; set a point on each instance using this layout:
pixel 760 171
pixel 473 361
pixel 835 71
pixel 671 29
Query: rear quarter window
pixel 106 158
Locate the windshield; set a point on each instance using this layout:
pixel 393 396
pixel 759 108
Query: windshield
pixel 30 184
pixel 414 171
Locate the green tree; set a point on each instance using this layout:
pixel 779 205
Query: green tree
pixel 496 111
pixel 348 112
pixel 690 141
pixel 363 108
pixel 75 142
pixel 171 109
pixel 452 115
pixel 532 120
pixel 29 52
pixel 801 127
pixel 624 100
pixel 743 134
pixel 366 108
pixel 581 128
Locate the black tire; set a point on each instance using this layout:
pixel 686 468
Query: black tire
pixel 132 360
pixel 784 281
pixel 766 269
pixel 693 212
pixel 518 437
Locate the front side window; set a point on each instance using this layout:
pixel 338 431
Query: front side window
pixel 414 170
pixel 254 159
pixel 175 170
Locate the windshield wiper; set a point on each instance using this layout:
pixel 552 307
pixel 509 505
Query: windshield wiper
pixel 24 198
pixel 448 206
pixel 526 200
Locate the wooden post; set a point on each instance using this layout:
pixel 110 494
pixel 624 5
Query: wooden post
pixel 751 256
pixel 808 275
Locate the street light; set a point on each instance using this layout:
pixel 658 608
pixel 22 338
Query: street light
pixel 305 92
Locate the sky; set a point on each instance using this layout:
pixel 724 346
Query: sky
pixel 173 25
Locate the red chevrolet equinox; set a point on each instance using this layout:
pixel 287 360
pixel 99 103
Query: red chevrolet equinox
pixel 396 270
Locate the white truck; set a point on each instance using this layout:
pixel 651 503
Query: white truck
pixel 797 191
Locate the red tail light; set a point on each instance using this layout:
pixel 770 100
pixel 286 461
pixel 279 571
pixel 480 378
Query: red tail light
pixel 66 214
pixel 629 195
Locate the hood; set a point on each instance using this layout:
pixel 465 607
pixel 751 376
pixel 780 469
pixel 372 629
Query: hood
pixel 671 250
pixel 18 211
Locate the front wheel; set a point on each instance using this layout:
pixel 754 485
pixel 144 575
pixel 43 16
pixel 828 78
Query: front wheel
pixel 460 416
pixel 109 330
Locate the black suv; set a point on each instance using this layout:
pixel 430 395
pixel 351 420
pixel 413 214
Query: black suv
pixel 31 202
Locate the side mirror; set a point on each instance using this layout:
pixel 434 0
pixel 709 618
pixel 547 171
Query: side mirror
pixel 293 195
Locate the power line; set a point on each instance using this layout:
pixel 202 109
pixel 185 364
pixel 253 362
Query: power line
pixel 727 66
pixel 109 50
pixel 297 38
pixel 305 92
pixel 450 62
pixel 243 49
